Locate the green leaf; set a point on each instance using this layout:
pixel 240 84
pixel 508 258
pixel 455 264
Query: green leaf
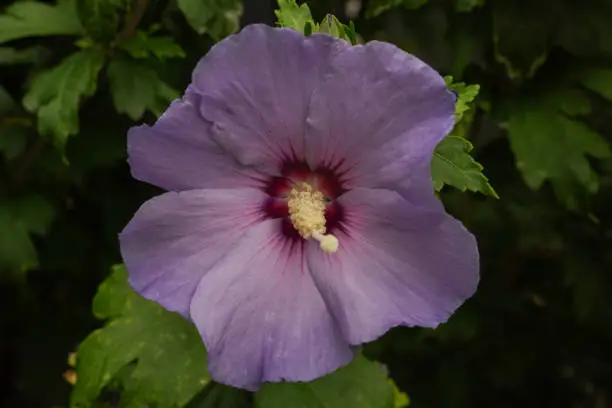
pixel 217 18
pixel 137 88
pixel 522 35
pixel 548 144
pixel 99 17
pixel 20 218
pixel 598 80
pixel 55 94
pixel 465 96
pixel 13 136
pixel 165 353
pixel 13 130
pixel 32 55
pixel 141 45
pixel 361 384
pixel 6 100
pixel 332 26
pixel 401 398
pixel 466 46
pixel 468 5
pixel 290 15
pixel 221 396
pixel 377 7
pixel 453 165
pixel 350 33
pixel 584 28
pixel 33 19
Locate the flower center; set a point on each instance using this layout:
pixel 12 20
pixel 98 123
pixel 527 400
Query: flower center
pixel 307 214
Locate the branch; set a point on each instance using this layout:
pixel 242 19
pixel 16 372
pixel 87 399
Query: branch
pixel 132 19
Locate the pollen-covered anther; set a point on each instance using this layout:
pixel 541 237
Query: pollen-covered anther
pixel 307 214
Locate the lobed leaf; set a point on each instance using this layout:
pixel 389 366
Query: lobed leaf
pixel 157 357
pixel 55 94
pixel 466 94
pixel 137 88
pixel 453 165
pixel 550 145
pixel 20 219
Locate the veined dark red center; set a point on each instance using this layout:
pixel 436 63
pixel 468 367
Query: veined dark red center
pixel 321 179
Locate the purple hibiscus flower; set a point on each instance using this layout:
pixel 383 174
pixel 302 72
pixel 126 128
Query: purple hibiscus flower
pixel 300 219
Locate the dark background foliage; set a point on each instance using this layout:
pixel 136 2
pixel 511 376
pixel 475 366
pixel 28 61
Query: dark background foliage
pixel 537 334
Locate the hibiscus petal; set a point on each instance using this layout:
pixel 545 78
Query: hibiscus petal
pixel 256 87
pixel 261 316
pixel 174 239
pixel 177 152
pixel 378 114
pixel 397 265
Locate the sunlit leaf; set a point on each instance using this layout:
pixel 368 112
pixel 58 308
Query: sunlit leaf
pixel 465 95
pixel 292 15
pixel 400 398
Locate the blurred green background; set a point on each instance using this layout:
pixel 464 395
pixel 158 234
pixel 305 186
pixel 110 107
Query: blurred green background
pixel 539 331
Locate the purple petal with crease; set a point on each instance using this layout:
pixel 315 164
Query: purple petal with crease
pixel 397 265
pixel 261 316
pixel 176 238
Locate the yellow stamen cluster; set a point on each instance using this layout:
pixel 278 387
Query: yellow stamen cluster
pixel 307 214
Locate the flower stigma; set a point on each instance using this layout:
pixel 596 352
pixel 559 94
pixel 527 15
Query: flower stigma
pixel 307 214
